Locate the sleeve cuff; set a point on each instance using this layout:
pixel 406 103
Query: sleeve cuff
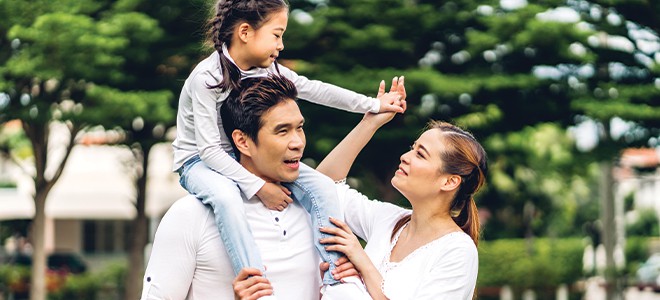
pixel 375 106
pixel 250 192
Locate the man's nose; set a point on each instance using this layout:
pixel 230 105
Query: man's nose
pixel 297 141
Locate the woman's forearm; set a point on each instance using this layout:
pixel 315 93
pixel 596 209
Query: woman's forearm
pixel 373 280
pixel 339 161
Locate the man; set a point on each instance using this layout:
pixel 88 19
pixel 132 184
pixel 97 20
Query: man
pixel 188 259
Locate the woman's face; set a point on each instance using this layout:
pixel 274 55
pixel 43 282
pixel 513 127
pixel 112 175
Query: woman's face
pixel 419 173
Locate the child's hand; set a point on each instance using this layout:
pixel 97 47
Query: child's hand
pixel 395 99
pixel 274 196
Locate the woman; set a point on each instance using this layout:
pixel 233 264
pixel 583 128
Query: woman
pixel 428 252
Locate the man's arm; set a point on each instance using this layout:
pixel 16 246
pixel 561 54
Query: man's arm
pixel 172 262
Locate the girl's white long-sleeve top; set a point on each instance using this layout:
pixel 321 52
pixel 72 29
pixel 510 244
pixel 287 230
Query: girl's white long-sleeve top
pixel 199 127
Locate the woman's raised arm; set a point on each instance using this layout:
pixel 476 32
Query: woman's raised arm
pixel 339 161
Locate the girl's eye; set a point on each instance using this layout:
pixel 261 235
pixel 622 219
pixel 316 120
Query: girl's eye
pixel 278 36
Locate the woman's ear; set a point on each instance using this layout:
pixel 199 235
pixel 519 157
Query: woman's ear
pixel 241 142
pixel 451 182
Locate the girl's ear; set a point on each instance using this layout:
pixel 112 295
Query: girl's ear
pixel 243 31
pixel 241 142
pixel 451 182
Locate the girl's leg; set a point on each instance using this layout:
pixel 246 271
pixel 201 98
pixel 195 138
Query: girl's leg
pixel 224 197
pixel 318 195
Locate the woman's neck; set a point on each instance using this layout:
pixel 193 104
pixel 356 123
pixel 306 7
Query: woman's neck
pixel 430 219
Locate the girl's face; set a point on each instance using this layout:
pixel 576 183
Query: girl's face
pixel 419 175
pixel 263 45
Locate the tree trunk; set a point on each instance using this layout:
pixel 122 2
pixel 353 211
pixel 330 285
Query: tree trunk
pixel 138 234
pixel 38 280
pixel 608 231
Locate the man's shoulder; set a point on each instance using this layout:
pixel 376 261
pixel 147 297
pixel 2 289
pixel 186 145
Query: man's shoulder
pixel 188 207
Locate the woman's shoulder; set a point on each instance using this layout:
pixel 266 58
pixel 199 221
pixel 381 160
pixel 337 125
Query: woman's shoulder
pixel 455 244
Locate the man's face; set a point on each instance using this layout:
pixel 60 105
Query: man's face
pixel 281 141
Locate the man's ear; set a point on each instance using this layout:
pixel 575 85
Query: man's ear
pixel 241 142
pixel 243 31
pixel 451 182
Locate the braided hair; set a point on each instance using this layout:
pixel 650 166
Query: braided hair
pixel 228 14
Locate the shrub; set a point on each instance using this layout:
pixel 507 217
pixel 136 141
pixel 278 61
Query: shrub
pixel 539 264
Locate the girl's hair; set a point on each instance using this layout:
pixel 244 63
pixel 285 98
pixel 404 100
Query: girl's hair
pixel 463 156
pixel 228 14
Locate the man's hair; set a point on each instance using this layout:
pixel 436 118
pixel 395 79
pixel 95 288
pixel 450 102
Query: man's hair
pixel 245 106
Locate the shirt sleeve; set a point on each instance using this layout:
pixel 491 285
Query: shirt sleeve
pixel 452 276
pixel 206 103
pixel 363 215
pixel 172 263
pixel 319 92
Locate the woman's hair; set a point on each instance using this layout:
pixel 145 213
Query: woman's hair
pixel 228 14
pixel 463 156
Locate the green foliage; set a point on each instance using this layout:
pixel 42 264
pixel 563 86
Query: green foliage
pixel 14 279
pixel 82 286
pixel 474 63
pixel 518 263
pixel 646 224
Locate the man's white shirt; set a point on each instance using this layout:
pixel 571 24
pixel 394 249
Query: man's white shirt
pixel 189 261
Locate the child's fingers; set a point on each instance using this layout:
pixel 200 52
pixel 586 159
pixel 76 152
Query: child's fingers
pixel 392 108
pixel 285 190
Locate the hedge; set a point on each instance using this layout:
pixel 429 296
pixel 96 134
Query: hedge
pixel 542 263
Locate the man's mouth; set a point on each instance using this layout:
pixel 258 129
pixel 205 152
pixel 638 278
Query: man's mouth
pixel 292 163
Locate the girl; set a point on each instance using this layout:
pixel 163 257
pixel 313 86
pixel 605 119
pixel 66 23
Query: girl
pixel 247 37
pixel 428 252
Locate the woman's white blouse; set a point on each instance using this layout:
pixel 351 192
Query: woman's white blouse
pixel 445 268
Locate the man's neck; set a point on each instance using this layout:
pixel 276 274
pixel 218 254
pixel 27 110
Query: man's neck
pixel 248 164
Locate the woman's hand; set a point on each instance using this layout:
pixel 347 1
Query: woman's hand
pixel 395 100
pixel 249 284
pixel 343 268
pixel 344 241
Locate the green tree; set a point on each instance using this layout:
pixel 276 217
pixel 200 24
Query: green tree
pixel 506 73
pixel 59 51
